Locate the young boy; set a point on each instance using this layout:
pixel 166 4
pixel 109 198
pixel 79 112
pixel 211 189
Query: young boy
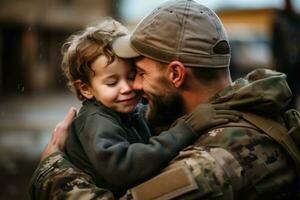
pixel 109 138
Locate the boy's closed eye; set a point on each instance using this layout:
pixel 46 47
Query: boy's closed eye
pixel 111 81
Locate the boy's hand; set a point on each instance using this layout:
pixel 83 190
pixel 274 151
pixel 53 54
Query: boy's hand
pixel 59 135
pixel 206 116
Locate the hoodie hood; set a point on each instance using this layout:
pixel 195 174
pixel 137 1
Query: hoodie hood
pixel 262 91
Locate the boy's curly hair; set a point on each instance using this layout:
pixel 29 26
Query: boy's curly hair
pixel 83 48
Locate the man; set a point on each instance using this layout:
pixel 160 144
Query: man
pixel 182 56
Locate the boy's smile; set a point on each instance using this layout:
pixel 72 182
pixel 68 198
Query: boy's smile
pixel 112 84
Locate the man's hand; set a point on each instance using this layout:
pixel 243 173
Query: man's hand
pixel 59 135
pixel 206 116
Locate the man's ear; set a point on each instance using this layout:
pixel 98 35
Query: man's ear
pixel 84 89
pixel 176 73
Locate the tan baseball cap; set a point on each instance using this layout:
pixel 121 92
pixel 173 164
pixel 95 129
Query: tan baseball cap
pixel 181 30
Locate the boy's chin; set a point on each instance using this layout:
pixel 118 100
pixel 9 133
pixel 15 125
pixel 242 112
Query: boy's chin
pixel 126 110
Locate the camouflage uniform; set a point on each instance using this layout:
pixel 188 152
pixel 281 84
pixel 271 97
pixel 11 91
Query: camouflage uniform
pixel 235 160
pixel 57 178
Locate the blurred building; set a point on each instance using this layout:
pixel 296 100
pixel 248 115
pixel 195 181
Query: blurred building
pixel 31 35
pixel 250 32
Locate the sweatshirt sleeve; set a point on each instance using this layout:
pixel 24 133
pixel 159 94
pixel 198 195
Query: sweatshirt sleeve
pixel 122 164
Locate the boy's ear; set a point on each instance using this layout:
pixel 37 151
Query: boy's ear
pixel 176 73
pixel 84 89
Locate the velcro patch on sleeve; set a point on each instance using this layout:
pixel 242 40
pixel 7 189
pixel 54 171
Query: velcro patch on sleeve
pixel 167 185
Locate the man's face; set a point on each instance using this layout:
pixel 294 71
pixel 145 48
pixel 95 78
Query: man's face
pixel 165 103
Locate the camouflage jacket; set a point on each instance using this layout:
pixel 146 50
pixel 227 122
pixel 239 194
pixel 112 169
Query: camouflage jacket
pixel 56 178
pixel 233 161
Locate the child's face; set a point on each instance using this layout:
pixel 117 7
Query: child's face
pixel 112 84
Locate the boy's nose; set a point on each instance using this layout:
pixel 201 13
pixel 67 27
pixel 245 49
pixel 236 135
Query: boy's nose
pixel 126 88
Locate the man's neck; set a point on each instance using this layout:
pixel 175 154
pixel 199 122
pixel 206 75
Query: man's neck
pixel 201 94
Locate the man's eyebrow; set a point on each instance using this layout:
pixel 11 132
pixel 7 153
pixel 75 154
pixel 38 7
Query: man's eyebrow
pixel 139 69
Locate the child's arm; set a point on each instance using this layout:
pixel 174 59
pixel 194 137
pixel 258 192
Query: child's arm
pixel 124 165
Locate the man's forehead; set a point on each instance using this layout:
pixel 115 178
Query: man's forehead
pixel 145 64
pixel 136 61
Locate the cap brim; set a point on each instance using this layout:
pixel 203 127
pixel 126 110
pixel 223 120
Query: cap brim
pixel 122 47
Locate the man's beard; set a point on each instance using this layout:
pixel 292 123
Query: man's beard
pixel 164 111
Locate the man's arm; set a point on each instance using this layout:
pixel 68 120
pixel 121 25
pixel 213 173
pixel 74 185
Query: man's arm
pixel 59 135
pixel 225 162
pixel 57 178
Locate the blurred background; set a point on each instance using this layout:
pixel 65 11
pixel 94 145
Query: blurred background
pixel 33 92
